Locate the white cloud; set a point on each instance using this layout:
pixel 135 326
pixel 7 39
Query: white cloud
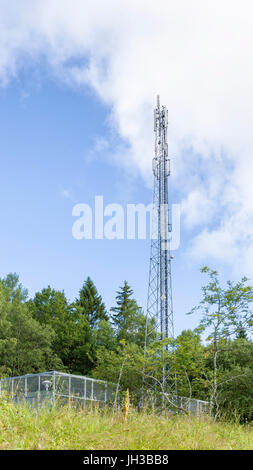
pixel 197 55
pixel 197 208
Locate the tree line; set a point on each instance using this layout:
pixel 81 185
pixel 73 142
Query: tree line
pixel 212 362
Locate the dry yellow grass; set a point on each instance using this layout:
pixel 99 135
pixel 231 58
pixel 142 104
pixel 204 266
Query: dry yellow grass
pixel 63 428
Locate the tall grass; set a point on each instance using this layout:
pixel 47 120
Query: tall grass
pixel 22 427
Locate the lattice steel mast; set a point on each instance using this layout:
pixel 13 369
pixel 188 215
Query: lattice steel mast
pixel 159 305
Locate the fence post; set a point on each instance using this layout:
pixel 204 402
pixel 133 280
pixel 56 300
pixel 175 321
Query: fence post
pixel 53 388
pixel 69 388
pixel 84 392
pixel 39 389
pixel 105 392
pixel 92 390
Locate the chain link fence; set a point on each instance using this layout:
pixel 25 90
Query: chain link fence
pixel 55 387
pixel 174 404
pixel 193 406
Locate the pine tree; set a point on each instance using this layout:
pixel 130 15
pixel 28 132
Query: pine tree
pixel 90 304
pixel 127 317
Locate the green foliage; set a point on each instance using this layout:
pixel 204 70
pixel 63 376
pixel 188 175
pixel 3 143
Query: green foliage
pixel 72 331
pixel 189 365
pixel 103 336
pixel 23 428
pixel 90 305
pixel 127 358
pixel 49 332
pixel 7 342
pixel 25 345
pixel 236 361
pixel 128 320
pixel 226 313
pixel 80 327
pixel 13 288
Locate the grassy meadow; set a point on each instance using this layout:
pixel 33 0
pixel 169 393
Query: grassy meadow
pixel 66 428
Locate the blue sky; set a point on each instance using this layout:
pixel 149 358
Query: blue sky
pixel 77 91
pixel 49 163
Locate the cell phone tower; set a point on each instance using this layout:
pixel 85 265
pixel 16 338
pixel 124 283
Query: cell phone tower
pixel 159 304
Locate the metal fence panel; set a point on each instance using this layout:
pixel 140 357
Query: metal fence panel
pixel 99 391
pixel 88 389
pixel 6 385
pixel 62 383
pixel 48 385
pixel 44 387
pixel 19 386
pixel 110 392
pixel 77 387
pixel 32 384
pixel 46 382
